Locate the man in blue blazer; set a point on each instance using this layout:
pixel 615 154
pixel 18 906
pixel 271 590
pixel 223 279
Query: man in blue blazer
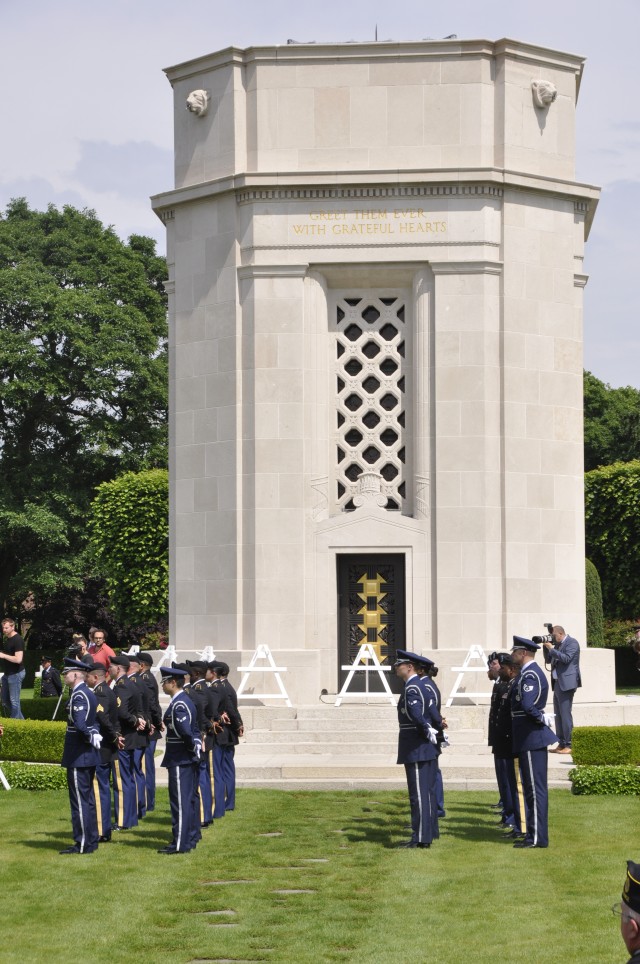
pixel 563 656
pixel 80 756
pixel 530 738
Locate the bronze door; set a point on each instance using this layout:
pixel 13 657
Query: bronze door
pixel 371 609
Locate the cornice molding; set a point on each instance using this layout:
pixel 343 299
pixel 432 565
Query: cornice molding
pixel 466 267
pixel 250 271
pixel 453 189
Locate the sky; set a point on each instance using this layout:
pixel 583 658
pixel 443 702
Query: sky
pixel 86 110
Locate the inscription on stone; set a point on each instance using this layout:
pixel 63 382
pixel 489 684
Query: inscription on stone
pixel 384 223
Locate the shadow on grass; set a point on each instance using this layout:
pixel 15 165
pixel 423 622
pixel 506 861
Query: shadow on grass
pixel 389 826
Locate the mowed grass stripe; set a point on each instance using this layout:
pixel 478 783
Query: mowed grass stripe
pixel 470 896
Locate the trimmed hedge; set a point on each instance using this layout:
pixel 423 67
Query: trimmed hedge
pixel 606 745
pixel 34 776
pixel 40 709
pixel 599 780
pixel 33 741
pixel 595 617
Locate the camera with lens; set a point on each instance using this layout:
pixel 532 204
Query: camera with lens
pixel 545 639
pixel 74 651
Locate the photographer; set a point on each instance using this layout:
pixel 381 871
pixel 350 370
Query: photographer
pixel 563 657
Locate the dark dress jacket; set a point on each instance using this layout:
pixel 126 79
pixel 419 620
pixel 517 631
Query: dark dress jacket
pixel 502 730
pixel 229 736
pixel 107 719
pixel 51 684
pixel 129 705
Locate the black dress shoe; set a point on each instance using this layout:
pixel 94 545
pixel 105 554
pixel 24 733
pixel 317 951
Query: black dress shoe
pixel 70 850
pixel 106 838
pixel 411 845
pixel 516 834
pixel 527 845
pixel 167 850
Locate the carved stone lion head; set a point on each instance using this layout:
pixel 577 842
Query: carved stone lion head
pixel 198 102
pixel 544 92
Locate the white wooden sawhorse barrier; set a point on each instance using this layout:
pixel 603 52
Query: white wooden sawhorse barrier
pixel 263 653
pixel 366 662
pixel 476 653
pixel 170 655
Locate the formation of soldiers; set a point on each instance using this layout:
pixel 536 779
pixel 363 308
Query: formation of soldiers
pixel 519 735
pixel 114 723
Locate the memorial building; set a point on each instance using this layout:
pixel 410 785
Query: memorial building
pixel 376 284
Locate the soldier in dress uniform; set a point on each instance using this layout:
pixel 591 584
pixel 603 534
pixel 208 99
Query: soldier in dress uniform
pixel 155 716
pixel 531 737
pixel 51 684
pixel 80 757
pixel 224 766
pixel 502 744
pixel 494 662
pixel 182 760
pixel 207 701
pixel 139 754
pixel 629 911
pixel 419 721
pixel 443 741
pixel 132 726
pixel 427 672
pixel 112 741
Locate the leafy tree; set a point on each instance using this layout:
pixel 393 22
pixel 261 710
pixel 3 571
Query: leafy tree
pixel 83 385
pixel 130 537
pixel 71 611
pixel 612 523
pixel 595 618
pixel 611 423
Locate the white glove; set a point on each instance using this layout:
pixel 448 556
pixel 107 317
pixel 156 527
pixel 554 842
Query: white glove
pixel 445 741
pixel 197 749
pixel 96 740
pixel 432 735
pixel 548 718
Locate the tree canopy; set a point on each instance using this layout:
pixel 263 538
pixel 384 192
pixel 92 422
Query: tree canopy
pixel 612 524
pixel 83 383
pixel 129 527
pixel 611 423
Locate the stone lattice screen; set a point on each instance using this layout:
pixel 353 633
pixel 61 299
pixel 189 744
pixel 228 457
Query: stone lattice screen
pixel 371 383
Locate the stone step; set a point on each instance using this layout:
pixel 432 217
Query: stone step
pixel 355 750
pixel 299 732
pixel 329 767
pixel 365 783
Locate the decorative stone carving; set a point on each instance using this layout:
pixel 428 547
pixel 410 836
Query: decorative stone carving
pixel 369 490
pixel 544 92
pixel 422 495
pixel 320 487
pixel 198 102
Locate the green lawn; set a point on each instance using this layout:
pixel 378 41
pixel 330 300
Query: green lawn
pixel 470 897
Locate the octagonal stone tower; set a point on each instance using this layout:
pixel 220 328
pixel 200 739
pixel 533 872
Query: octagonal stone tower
pixel 376 292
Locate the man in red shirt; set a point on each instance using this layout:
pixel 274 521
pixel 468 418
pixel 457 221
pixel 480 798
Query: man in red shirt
pixel 98 648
